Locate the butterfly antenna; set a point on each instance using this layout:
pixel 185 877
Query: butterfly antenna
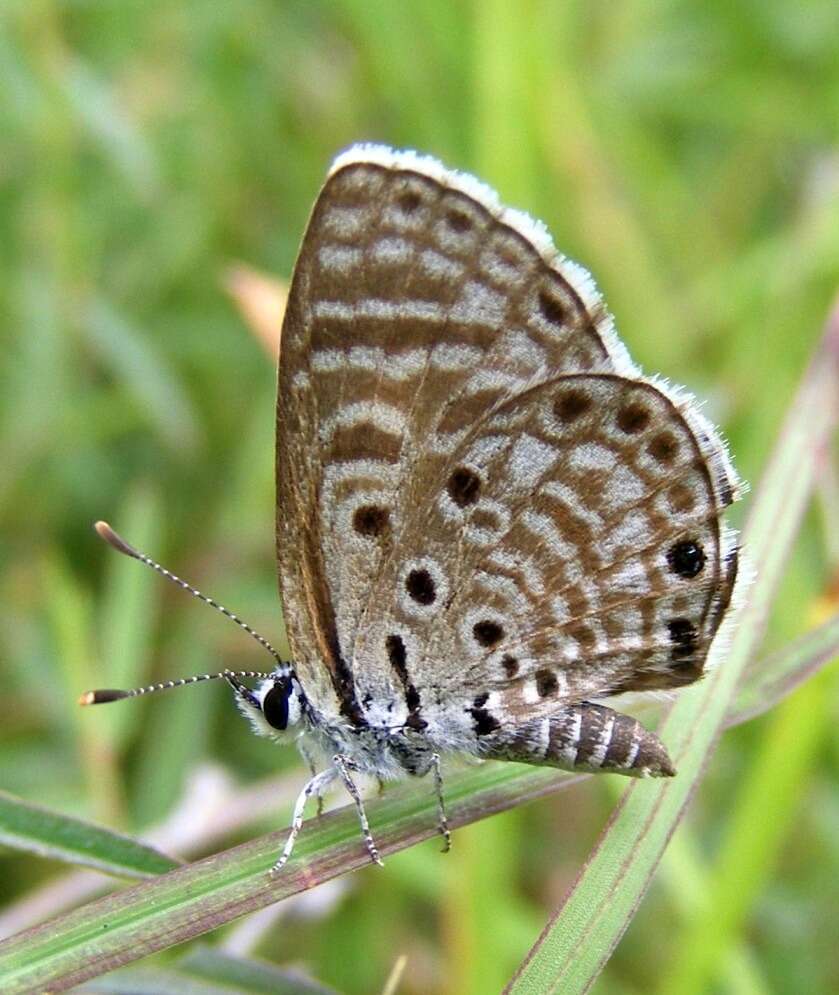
pixel 102 695
pixel 115 540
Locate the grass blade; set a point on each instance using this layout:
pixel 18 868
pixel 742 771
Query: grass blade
pixel 207 971
pixel 765 807
pixel 248 975
pixel 50 834
pixel 579 939
pixel 780 674
pixel 187 902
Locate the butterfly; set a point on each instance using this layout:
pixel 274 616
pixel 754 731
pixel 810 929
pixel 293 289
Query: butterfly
pixel 488 519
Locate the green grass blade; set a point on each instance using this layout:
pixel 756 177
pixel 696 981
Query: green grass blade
pixel 68 603
pixel 777 676
pixel 248 976
pixel 766 807
pixel 50 834
pixel 185 903
pixel 207 971
pixel 684 875
pixel 128 354
pixel 128 613
pixel 153 981
pixel 579 939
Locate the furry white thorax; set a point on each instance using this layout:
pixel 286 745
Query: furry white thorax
pixel 387 752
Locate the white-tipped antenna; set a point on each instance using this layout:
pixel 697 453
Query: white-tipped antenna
pixel 102 695
pixel 104 531
pixel 113 694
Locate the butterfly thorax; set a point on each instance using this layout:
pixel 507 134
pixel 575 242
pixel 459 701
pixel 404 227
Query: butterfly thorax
pixel 380 742
pixel 385 752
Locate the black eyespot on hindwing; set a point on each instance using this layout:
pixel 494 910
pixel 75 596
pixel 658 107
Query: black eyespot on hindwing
pixel 686 558
pixel 487 633
pixel 421 587
pixel 633 418
pixel 370 520
pixel 458 221
pixel 553 310
pixel 683 636
pixel 663 447
pixel 463 487
pixel 546 683
pixel 570 405
pixel 484 721
pixel 510 665
pixel 409 201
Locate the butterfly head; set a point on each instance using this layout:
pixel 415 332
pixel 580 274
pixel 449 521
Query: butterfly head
pixel 275 707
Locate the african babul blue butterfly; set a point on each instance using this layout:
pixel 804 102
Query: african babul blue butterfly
pixel 488 520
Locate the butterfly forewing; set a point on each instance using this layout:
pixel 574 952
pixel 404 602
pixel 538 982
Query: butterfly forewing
pixel 476 489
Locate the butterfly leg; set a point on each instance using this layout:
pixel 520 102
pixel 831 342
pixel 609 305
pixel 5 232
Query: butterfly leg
pixel 344 765
pixel 442 820
pixel 583 737
pixel 310 763
pixel 314 786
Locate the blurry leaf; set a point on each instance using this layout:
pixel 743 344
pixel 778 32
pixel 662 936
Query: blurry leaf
pixel 765 807
pixel 127 614
pixel 205 971
pixel 49 834
pixel 396 42
pixel 778 675
pixel 261 299
pixel 174 732
pixel 37 366
pixel 248 975
pixel 505 68
pixel 683 873
pixel 132 358
pixel 151 981
pixel 68 604
pixel 579 939
pixel 110 123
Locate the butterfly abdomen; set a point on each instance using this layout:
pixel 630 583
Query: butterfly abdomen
pixel 584 737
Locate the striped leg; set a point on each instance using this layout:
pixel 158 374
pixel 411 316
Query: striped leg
pixel 314 786
pixel 442 821
pixel 344 765
pixel 310 763
pixel 584 737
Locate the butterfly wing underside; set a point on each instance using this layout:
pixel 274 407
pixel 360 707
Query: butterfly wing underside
pixel 476 488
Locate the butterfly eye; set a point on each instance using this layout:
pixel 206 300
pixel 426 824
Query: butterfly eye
pixel 275 705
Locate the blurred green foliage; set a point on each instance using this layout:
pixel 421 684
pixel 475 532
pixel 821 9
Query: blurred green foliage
pixel 686 152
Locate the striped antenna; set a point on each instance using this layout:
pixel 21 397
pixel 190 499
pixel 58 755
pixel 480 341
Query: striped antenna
pixel 112 538
pixel 103 695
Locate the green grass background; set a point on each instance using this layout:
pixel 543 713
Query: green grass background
pixel 686 152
